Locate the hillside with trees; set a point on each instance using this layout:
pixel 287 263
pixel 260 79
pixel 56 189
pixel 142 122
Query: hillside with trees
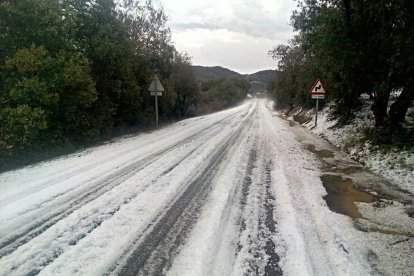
pixel 223 88
pixel 205 73
pixel 356 47
pixel 219 88
pixel 221 93
pixel 262 76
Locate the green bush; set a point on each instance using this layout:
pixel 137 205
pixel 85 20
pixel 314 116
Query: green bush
pixel 20 127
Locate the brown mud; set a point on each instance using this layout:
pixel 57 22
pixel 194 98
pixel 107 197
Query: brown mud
pixel 342 195
pixel 350 170
pixel 324 153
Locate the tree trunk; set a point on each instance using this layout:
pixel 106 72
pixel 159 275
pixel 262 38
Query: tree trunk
pixel 379 107
pixel 399 108
pixel 347 8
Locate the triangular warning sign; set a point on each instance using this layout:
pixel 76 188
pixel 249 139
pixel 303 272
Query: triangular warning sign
pixel 156 85
pixel 317 87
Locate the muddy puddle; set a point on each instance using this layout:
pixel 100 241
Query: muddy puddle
pixel 324 153
pixel 342 195
pixel 334 165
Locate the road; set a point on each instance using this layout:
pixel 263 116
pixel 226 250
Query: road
pixel 231 193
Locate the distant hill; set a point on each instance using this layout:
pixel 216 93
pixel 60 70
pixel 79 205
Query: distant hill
pixel 216 72
pixel 258 80
pixel 262 76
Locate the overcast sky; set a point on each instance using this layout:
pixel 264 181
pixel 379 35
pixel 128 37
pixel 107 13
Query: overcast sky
pixel 236 34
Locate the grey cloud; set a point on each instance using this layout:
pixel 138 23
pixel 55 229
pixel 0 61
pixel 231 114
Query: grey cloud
pixel 253 31
pixel 254 20
pixel 249 18
pixel 244 57
pixel 180 26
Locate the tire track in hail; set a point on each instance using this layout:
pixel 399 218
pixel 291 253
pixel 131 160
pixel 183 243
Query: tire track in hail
pixel 259 231
pixel 11 243
pixel 85 169
pixel 103 217
pixel 245 187
pixel 272 266
pixel 154 251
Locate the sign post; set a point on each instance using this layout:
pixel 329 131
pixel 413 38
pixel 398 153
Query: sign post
pixel 317 92
pixel 156 90
pixel 316 113
pixel 156 105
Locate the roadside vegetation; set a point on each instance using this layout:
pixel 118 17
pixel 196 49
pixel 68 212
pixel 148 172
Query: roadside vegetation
pixel 223 88
pixel 76 72
pixel 357 48
pixel 394 161
pixel 362 50
pixel 222 93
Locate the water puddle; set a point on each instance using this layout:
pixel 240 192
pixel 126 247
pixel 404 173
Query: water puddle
pixel 342 196
pixel 324 153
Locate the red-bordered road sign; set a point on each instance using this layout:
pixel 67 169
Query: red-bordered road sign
pixel 318 88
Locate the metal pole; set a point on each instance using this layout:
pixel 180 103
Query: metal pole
pixel 156 103
pixel 316 114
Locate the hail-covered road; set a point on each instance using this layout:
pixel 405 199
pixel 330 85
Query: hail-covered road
pixel 232 193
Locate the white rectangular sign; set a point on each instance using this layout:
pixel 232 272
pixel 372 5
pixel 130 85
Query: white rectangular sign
pixel 318 96
pixel 158 94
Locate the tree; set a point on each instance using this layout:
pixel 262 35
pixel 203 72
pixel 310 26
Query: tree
pixel 291 84
pixel 20 128
pixel 402 61
pixel 221 93
pixel 59 88
pixel 357 47
pixel 75 70
pixel 24 23
pixel 184 83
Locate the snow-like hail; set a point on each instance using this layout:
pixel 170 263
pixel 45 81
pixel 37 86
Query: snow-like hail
pixel 85 214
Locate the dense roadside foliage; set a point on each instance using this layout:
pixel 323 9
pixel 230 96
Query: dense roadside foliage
pixel 75 71
pixel 221 93
pixel 357 47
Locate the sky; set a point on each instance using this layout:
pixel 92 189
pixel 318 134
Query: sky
pixel 236 34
